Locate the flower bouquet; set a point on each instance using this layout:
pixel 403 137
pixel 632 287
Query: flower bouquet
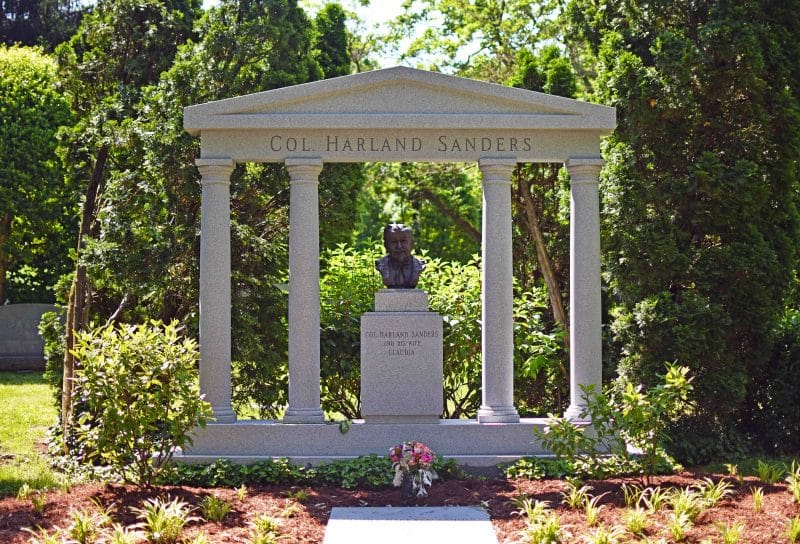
pixel 413 468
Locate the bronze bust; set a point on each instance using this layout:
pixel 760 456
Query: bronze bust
pixel 399 269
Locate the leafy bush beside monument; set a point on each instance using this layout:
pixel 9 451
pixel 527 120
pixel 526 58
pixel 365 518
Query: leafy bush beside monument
pixel 137 386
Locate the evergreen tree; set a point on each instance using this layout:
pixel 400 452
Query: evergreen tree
pixel 147 254
pixel 39 22
pixel 700 215
pixel 121 47
pixel 333 41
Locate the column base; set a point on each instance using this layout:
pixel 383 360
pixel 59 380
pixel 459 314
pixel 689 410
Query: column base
pixel 304 416
pixel 223 414
pixel 575 413
pixel 498 414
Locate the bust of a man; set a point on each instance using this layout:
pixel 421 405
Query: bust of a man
pixel 399 269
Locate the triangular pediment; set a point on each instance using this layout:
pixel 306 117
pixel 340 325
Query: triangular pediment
pixel 398 97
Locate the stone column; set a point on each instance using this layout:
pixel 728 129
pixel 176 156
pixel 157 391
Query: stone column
pixel 215 287
pixel 585 355
pixel 304 404
pixel 497 331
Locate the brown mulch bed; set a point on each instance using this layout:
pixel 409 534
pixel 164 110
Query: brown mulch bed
pixel 304 520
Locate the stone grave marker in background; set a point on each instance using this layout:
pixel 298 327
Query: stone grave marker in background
pixel 21 347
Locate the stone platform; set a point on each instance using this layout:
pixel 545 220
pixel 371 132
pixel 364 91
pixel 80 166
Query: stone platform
pixel 387 525
pixel 471 444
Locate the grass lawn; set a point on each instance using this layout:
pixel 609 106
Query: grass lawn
pixel 26 411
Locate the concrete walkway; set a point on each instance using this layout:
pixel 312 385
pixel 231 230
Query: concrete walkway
pixel 396 525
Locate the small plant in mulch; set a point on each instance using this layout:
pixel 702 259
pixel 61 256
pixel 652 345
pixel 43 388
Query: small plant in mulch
pixel 793 481
pixel 679 524
pixel 793 529
pixel 299 495
pixel 575 496
pixel 85 526
pixel 264 530
pixel 769 473
pixel 605 535
pixel 163 520
pixel 758 499
pixel 711 493
pixel 123 535
pixel 654 498
pixel 729 533
pixel 632 493
pixel 592 508
pixel 543 526
pixel 214 508
pixel 636 520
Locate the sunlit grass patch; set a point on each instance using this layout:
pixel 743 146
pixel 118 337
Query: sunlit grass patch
pixel 26 411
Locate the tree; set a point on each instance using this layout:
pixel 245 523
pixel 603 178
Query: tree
pixel 148 252
pixel 333 41
pixel 119 48
pixel 474 39
pixel 441 202
pixel 539 192
pixel 36 205
pixel 46 23
pixel 701 222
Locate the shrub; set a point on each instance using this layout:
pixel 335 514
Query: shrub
pixel 347 288
pixel 139 386
pixel 622 415
pixel 51 329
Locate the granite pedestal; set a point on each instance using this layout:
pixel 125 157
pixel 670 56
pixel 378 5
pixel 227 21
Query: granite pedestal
pixel 401 359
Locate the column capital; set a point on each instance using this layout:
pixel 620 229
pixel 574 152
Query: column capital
pixel 303 169
pixel 215 171
pixel 583 170
pixel 497 170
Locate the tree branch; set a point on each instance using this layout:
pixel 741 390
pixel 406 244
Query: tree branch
pixel 442 206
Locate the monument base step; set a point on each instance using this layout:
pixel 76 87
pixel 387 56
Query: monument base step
pixel 478 447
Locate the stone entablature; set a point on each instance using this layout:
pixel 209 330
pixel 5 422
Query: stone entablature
pixel 399 114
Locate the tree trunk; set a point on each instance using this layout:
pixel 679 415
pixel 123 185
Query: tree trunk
pixel 77 307
pixel 545 263
pixel 5 234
